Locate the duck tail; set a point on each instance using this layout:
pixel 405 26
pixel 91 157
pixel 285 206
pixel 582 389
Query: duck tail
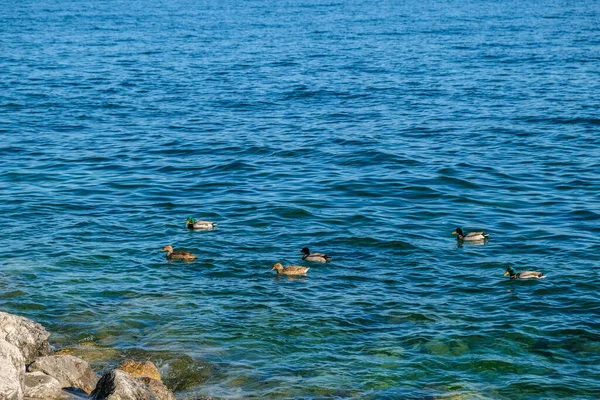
pixel 541 276
pixel 327 258
pixel 485 234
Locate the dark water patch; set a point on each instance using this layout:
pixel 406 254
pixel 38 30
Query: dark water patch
pixel 371 157
pixel 562 120
pixel 27 307
pixel 585 215
pixel 12 294
pixel 366 242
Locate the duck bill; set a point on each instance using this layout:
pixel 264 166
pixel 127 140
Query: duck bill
pixel 454 233
pixel 506 273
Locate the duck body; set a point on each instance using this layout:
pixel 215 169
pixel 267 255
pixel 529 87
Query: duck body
pixel 316 257
pixel 523 274
pixel 471 236
pixel 192 223
pixel 292 270
pixel 178 255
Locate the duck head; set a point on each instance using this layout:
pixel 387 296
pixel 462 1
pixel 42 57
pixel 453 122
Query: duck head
pixel 510 271
pixel 190 221
pixel 305 251
pixel 277 267
pixel 459 232
pixel 168 248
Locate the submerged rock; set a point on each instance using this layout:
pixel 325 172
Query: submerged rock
pixel 12 371
pixel 30 337
pixel 137 369
pixel 117 385
pixel 99 357
pixel 70 371
pixel 182 372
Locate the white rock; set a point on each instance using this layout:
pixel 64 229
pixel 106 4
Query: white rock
pixel 12 371
pixel 30 337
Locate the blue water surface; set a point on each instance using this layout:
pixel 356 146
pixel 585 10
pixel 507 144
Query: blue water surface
pixel 366 130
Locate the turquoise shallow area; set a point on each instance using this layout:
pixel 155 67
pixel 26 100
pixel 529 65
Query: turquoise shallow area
pixel 365 130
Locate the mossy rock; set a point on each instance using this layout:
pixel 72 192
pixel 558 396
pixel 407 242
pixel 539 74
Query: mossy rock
pixel 437 348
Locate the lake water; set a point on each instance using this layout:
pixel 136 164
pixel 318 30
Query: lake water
pixel 366 130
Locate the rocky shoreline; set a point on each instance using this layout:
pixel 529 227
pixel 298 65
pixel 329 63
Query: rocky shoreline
pixel 30 370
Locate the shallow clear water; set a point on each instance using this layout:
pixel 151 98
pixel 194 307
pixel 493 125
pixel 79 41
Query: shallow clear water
pixel 367 131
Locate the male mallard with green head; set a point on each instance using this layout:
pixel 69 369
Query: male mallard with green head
pixel 523 274
pixel 178 255
pixel 471 236
pixel 316 257
pixel 290 270
pixel 191 223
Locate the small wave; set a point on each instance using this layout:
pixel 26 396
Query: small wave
pixel 561 120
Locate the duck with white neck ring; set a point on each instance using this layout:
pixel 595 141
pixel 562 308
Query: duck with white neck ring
pixel 523 274
pixel 316 257
pixel 194 224
pixel 471 236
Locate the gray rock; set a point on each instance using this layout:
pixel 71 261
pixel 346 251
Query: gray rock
pixel 70 371
pixel 30 337
pixel 38 385
pixel 159 389
pixel 118 385
pixel 12 371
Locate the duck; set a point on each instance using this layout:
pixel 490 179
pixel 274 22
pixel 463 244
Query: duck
pixel 191 223
pixel 316 257
pixel 523 274
pixel 471 236
pixel 289 270
pixel 178 255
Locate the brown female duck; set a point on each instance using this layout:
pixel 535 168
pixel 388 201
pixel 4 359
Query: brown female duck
pixel 289 270
pixel 178 255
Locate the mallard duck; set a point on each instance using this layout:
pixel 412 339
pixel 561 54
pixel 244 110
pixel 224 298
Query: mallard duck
pixel 317 257
pixel 523 274
pixel 177 255
pixel 290 270
pixel 191 223
pixel 471 236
